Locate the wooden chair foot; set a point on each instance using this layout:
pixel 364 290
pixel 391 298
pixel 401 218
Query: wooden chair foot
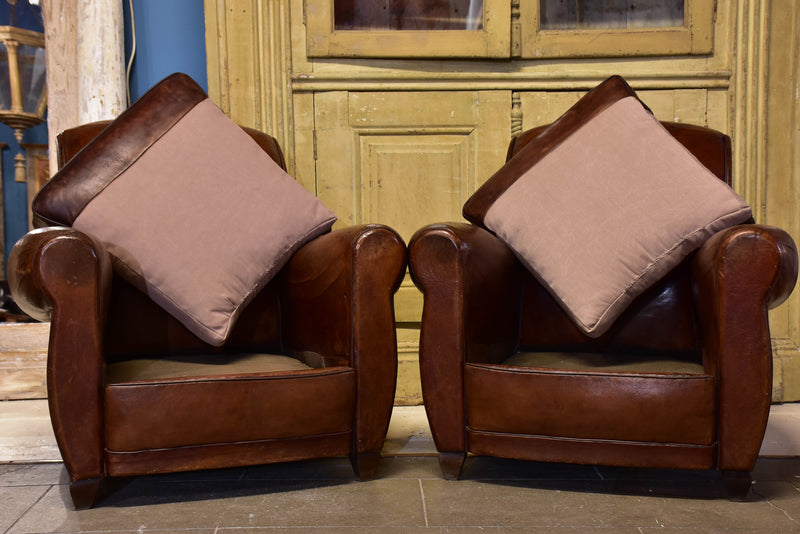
pixel 85 492
pixel 451 464
pixel 366 464
pixel 737 484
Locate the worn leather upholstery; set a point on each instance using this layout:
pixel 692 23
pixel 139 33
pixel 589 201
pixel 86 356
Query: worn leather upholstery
pixel 705 324
pixel 330 309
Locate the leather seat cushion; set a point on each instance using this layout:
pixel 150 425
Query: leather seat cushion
pixel 210 410
pixel 199 365
pixel 591 404
pixel 605 362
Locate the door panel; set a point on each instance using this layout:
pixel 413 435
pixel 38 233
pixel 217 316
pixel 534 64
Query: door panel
pixel 703 107
pixel 406 159
pixel 553 28
pixel 419 171
pixel 409 169
pixel 370 28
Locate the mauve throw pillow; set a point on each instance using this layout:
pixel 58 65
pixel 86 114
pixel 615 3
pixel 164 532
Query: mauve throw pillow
pixel 603 208
pixel 191 209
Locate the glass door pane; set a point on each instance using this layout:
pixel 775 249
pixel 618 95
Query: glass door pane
pixel 366 15
pixel 408 28
pixel 616 28
pixel 575 14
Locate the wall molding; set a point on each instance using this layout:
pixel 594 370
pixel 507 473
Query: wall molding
pixel 780 191
pixel 749 103
pixel 248 49
pixel 455 81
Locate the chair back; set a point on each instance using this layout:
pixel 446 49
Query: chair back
pixel 137 326
pixel 663 318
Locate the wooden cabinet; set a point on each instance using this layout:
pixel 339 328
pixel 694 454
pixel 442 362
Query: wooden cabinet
pixel 610 28
pixel 507 28
pixel 410 28
pixel 396 117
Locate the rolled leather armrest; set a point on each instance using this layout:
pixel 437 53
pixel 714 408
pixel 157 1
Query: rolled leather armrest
pixel 47 258
pixel 472 287
pixel 331 278
pixel 64 276
pixel 737 275
pixel 337 299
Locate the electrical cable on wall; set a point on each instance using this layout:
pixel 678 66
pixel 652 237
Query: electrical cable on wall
pixel 133 53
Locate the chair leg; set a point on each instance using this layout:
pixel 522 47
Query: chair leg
pixel 451 464
pixel 737 484
pixel 85 492
pixel 365 464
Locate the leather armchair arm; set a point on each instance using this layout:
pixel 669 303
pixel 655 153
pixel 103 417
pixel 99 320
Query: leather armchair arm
pixel 64 276
pixel 472 286
pixel 337 300
pixel 738 275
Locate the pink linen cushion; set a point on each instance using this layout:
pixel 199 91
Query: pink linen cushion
pixel 200 220
pixel 609 210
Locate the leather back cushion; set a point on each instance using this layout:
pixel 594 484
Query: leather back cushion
pixel 711 147
pixel 602 204
pixel 137 326
pixel 192 211
pixel 71 141
pixel 662 319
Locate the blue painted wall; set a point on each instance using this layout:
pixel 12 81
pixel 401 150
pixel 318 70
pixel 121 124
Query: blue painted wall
pixel 170 37
pixel 15 194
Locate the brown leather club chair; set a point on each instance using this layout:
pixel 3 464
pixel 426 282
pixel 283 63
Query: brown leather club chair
pixel 119 409
pixel 682 380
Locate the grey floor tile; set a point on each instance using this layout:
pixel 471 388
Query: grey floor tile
pixel 597 479
pixel 15 501
pixel 328 528
pixel 495 496
pixel 514 503
pixel 33 474
pixel 781 495
pixel 488 468
pixel 154 531
pixel 376 503
pixel 720 514
pixel 429 530
pixel 232 474
pixel 764 529
pixel 157 503
pixel 410 467
pixel 787 469
pixel 338 469
pixel 54 513
pixel 679 483
pixel 540 530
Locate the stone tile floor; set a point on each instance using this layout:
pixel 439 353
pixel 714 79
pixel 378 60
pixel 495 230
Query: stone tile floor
pixel 410 496
pixel 494 495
